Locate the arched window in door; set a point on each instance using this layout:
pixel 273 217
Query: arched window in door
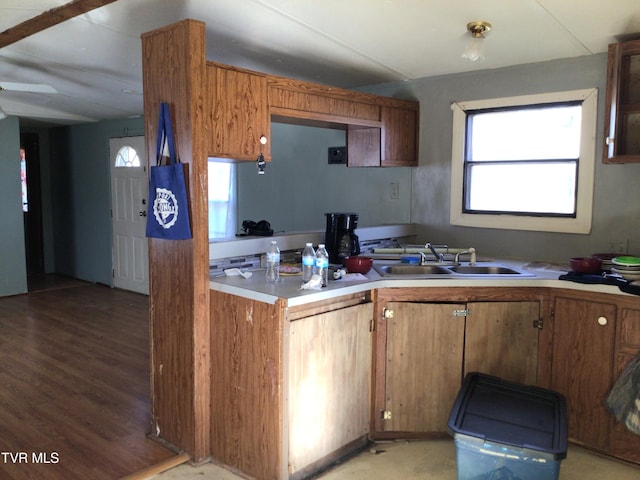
pixel 127 157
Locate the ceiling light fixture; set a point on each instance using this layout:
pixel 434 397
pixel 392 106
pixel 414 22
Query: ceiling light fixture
pixel 474 50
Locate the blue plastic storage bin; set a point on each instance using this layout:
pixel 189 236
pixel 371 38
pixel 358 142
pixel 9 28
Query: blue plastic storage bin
pixel 507 431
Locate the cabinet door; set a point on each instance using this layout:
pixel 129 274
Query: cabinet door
pixel 583 341
pixel 501 340
pixel 423 369
pixel 622 105
pixel 363 146
pixel 399 137
pixel 240 116
pixel 625 444
pixel 329 383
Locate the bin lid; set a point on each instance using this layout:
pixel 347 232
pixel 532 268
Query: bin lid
pixel 499 411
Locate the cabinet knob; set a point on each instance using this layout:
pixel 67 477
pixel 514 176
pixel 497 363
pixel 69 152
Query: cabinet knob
pixel 386 313
pixel 263 140
pixel 608 140
pixel 602 321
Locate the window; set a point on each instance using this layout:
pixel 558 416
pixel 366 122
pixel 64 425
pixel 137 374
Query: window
pixel 127 157
pixel 525 163
pixel 222 199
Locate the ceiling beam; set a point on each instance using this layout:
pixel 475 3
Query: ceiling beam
pixel 49 19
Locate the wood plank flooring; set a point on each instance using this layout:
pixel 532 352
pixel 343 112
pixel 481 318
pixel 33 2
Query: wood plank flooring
pixel 74 385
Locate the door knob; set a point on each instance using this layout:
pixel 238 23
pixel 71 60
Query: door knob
pixel 143 214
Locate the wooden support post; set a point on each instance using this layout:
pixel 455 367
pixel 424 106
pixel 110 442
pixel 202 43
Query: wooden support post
pixel 174 71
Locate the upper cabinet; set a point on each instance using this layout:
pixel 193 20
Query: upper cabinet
pixel 239 114
pixel 622 105
pixel 381 131
pixel 399 136
pixel 320 104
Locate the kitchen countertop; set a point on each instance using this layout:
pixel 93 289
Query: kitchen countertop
pixel 288 287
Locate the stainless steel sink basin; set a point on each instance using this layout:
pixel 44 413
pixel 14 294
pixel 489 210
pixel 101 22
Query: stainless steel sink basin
pixel 446 270
pixel 484 270
pixel 408 270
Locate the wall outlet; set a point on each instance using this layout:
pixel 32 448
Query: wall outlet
pixel 394 192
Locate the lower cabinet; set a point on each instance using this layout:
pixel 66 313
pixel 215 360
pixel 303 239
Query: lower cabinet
pixel 429 347
pixel 594 337
pixel 624 443
pixel 583 341
pixel 329 371
pixel 291 386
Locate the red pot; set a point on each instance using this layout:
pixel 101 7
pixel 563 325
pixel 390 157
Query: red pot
pixel 358 264
pixel 585 264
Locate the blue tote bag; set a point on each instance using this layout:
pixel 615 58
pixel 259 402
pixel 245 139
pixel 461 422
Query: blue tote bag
pixel 168 215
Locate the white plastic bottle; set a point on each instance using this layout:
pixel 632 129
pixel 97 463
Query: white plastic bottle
pixel 273 263
pixel 322 264
pixel 308 262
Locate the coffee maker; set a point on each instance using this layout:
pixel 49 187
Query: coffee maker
pixel 340 238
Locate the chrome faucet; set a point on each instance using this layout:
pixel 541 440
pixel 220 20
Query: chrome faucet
pixel 439 256
pixel 471 251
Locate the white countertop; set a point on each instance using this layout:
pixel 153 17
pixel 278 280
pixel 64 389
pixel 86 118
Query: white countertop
pixel 288 287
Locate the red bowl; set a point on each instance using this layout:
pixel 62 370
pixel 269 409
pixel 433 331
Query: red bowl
pixel 585 264
pixel 358 264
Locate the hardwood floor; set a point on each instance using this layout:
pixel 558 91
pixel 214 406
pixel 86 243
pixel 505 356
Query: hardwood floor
pixel 74 385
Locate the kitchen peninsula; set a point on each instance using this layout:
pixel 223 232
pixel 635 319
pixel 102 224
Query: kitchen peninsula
pixel 312 363
pixel 278 384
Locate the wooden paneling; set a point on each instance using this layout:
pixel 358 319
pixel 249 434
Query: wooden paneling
pixel 423 366
pixel 501 340
pixel 174 72
pixel 329 368
pixel 247 386
pixel 299 103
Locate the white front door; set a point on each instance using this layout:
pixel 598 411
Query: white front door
pixel 129 193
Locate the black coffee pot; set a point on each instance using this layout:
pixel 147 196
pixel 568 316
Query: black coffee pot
pixel 340 238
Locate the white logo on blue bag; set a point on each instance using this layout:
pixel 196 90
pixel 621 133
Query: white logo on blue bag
pixel 165 208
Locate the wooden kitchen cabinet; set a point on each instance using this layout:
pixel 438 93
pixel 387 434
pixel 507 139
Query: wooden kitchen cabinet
pixel 239 113
pixel 296 99
pixel 423 368
pixel 583 343
pixel 291 386
pixel 399 137
pixel 426 348
pixel 501 339
pixel 394 144
pixel 625 444
pixel 329 385
pixel 622 104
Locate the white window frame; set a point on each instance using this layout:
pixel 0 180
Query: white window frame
pixel 586 166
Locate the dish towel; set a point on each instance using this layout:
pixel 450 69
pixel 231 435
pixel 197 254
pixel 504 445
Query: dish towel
pixel 624 399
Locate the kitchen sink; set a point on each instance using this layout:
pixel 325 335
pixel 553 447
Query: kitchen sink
pixel 484 270
pixel 447 270
pixel 408 270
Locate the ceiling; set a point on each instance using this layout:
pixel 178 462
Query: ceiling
pixel 94 60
